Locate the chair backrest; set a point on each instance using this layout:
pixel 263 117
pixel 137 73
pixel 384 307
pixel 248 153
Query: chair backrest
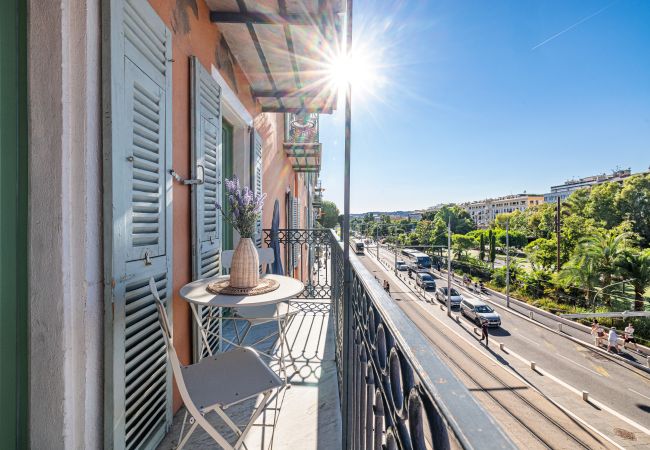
pixel 266 256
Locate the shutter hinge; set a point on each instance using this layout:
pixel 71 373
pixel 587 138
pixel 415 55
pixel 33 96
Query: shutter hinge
pixel 186 181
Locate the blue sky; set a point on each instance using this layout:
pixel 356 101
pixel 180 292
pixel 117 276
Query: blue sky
pixel 471 104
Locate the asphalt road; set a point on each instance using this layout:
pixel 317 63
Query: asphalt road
pixel 615 384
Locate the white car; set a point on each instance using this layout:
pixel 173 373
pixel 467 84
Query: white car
pixel 455 297
pixel 401 266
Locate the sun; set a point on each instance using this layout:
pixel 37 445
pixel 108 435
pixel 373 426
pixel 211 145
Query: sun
pixel 358 69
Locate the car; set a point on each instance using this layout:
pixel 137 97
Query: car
pixel 455 298
pixel 401 265
pixel 477 311
pixel 425 281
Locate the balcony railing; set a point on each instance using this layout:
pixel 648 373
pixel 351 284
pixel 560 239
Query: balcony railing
pixel 301 142
pixel 395 391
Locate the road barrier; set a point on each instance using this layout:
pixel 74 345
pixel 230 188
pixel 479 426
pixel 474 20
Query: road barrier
pixel 585 396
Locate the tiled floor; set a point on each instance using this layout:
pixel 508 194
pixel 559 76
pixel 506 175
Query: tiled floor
pixel 304 416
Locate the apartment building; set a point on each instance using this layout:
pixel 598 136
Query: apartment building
pixel 570 186
pixel 485 211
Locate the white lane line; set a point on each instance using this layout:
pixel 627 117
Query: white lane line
pixel 577 364
pixel 630 389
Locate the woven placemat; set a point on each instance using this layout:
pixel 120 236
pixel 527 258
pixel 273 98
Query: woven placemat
pixel 223 287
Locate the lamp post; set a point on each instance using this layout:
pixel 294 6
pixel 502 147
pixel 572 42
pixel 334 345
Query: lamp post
pixel 449 268
pixel 508 264
pixel 348 328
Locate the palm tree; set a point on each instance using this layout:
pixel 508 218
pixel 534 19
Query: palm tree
pixel 604 250
pixel 636 265
pixel 582 271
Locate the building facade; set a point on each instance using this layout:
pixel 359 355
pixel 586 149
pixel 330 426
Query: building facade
pixel 484 212
pixel 125 119
pixel 562 191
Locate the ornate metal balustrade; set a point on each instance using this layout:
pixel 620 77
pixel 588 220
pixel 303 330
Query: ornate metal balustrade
pixel 306 256
pixel 396 393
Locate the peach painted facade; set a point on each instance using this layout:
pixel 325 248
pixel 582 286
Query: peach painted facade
pixel 194 35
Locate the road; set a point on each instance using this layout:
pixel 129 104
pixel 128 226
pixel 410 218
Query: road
pixel 624 389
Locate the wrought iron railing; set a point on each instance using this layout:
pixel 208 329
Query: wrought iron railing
pixel 302 128
pixel 396 393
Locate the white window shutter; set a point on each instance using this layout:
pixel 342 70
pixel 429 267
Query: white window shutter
pixel 257 170
pixel 206 219
pixel 138 218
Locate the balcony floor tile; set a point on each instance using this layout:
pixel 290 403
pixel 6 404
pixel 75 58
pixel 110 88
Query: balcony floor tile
pixel 304 416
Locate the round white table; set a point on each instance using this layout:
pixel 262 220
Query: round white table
pixel 197 294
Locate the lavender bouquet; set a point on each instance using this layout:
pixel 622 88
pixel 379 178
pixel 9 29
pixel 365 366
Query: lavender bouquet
pixel 244 207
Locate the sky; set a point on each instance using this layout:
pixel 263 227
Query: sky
pixel 471 99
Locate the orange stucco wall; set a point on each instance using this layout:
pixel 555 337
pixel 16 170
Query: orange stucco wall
pixel 194 35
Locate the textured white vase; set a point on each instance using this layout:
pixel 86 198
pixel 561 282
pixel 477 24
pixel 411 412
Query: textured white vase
pixel 245 268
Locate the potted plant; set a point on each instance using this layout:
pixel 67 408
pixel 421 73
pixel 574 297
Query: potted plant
pixel 243 211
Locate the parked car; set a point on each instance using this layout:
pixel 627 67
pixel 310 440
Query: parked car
pixel 477 311
pixel 401 266
pixel 425 281
pixel 455 298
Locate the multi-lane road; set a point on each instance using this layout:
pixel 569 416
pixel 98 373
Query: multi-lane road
pixel 619 406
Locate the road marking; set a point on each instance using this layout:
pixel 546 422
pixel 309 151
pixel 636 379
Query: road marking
pixel 630 389
pixel 579 365
pixel 601 370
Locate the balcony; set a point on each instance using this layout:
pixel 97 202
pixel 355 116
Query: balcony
pixel 364 377
pixel 301 141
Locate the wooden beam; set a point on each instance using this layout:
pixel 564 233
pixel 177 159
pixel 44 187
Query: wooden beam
pixel 309 109
pixel 263 19
pixel 269 93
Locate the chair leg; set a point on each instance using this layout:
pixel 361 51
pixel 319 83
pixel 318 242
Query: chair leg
pixel 256 414
pixel 233 426
pixel 182 443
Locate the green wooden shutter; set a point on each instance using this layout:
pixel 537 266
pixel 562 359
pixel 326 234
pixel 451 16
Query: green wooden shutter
pixel 137 218
pixel 256 168
pixel 206 219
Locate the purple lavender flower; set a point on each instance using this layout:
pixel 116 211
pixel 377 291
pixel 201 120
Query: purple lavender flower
pixel 244 207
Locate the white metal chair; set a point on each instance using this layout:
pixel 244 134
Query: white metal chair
pixel 216 383
pixel 282 313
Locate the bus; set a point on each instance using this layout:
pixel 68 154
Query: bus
pixel 421 260
pixel 357 246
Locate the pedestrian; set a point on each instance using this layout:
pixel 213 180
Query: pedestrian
pixel 598 332
pixel 484 331
pixel 612 340
pixel 629 336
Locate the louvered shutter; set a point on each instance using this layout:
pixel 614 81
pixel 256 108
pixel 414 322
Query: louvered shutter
pixel 256 169
pixel 137 217
pixel 206 219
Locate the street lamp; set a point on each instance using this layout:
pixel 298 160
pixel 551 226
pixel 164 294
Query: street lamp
pixel 508 263
pixel 449 268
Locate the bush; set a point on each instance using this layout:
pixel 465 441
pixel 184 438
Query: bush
pixel 534 284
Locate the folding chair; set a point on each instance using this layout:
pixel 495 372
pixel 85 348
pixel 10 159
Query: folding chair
pixel 282 313
pixel 216 383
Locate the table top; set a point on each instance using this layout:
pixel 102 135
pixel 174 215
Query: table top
pixel 196 292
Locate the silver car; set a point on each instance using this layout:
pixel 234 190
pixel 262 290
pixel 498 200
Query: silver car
pixel 401 266
pixel 455 297
pixel 477 311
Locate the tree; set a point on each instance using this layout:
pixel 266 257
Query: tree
pixel 636 265
pixel 518 221
pixel 516 239
pixel 601 204
pixel 461 221
pixel 481 253
pixel 542 253
pixel 583 272
pixel 634 203
pixel 330 214
pixel 603 251
pixel 541 220
pixel 462 243
pixel 493 247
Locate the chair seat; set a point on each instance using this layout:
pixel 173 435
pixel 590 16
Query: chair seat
pixel 228 378
pixel 259 314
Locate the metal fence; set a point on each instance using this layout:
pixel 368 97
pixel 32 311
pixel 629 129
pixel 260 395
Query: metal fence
pixel 396 393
